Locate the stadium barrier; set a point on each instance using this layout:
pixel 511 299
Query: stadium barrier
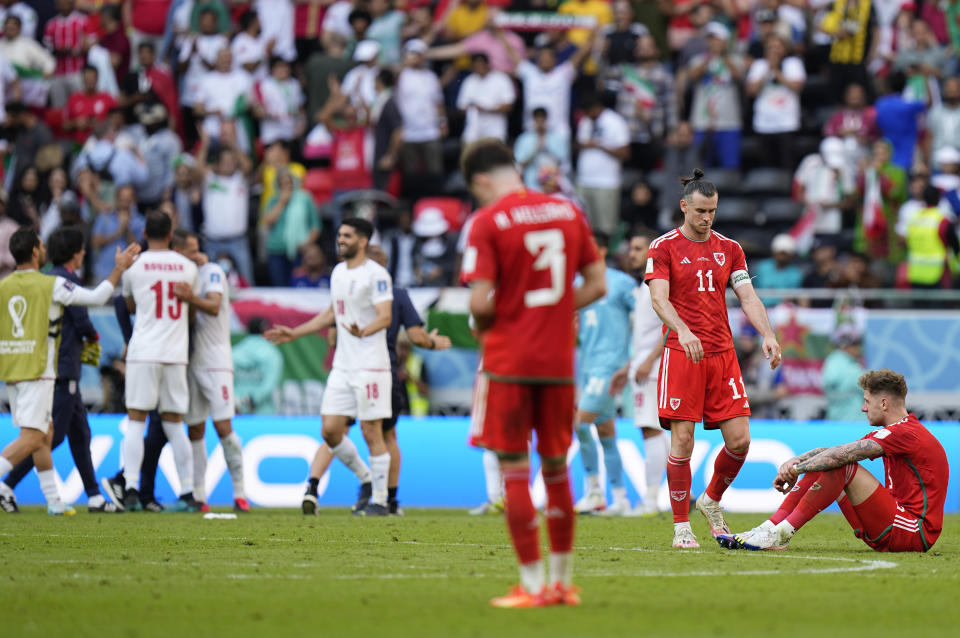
pixel 440 470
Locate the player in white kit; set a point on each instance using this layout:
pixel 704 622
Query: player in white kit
pixel 157 357
pixel 210 373
pixel 642 373
pixel 360 382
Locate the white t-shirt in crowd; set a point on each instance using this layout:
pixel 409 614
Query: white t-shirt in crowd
pixel 597 168
pixel 777 108
pixel 336 19
pixel 647 328
pixel 282 102
pixel 276 23
pixel 360 84
pixel 208 46
pixel 247 49
pixel 354 293
pixel 418 98
pixel 824 184
pixel 221 92
pixel 226 201
pixel 162 327
pixel 211 334
pixel 491 91
pixel 548 90
pixel 7 76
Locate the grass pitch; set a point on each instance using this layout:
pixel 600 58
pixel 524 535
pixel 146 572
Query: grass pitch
pixel 431 573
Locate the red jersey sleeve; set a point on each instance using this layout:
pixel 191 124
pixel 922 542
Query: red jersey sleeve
pixel 479 258
pixel 658 263
pixel 896 441
pixel 738 259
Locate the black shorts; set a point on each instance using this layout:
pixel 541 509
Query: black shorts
pixel 400 401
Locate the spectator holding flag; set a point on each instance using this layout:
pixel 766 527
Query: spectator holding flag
pixel 647 99
pixel 883 186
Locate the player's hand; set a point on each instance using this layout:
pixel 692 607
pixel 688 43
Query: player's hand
pixel 183 291
pixel 440 342
pixel 644 370
pixel 771 350
pixel 786 476
pixel 618 381
pixel 354 329
pixel 691 345
pixel 201 259
pixel 123 259
pixel 279 334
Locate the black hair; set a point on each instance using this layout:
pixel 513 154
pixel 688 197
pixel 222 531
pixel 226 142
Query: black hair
pixel 16 108
pixel 696 184
pixel 540 112
pixel 180 237
pixel 158 225
pixel 641 231
pixel 10 17
pixel 483 156
pixel 275 60
pixel 146 44
pixel 590 100
pixel 362 226
pixel 22 242
pixel 257 325
pixel 897 82
pixel 480 57
pixel 64 243
pixel 111 10
pixel 602 238
pixel 247 18
pixel 90 67
pixel 359 14
pixel 387 78
pixel 931 196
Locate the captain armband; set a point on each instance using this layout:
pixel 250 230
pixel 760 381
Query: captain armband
pixel 738 278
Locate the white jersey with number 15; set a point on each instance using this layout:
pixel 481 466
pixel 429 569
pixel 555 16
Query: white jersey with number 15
pixel 161 328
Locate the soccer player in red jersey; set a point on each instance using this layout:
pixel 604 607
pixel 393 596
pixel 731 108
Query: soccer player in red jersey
pixel 688 270
pixel 906 515
pixel 522 254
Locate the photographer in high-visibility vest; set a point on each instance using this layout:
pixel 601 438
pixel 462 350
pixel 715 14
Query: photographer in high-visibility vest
pixel 932 245
pixel 31 308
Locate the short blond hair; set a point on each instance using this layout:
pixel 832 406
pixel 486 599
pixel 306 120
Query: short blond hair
pixel 884 381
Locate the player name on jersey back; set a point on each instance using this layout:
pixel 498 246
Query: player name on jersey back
pixel 536 214
pixel 161 327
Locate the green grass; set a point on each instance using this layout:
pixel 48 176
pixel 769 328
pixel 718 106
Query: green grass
pixel 431 573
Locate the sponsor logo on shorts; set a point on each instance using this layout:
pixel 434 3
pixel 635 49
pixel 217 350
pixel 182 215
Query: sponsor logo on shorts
pixel 746 404
pixel 720 258
pixel 674 403
pixel 678 495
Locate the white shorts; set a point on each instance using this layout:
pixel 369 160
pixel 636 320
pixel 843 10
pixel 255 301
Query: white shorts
pixel 645 404
pixel 157 386
pixel 31 403
pixel 362 394
pixel 211 394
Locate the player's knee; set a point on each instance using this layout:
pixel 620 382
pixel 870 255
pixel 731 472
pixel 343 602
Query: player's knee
pixel 223 428
pixel 554 465
pixel 739 444
pixel 196 432
pixel 681 443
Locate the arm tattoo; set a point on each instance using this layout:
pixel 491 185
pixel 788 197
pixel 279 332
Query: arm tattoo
pixel 839 455
pixel 809 455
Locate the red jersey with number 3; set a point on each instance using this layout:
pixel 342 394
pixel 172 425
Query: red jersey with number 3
pixel 530 245
pixel 698 273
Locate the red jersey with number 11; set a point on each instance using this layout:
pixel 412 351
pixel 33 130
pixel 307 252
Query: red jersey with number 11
pixel 530 245
pixel 698 273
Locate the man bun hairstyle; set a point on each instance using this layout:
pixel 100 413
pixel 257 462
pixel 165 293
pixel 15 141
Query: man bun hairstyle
pixel 696 184
pixel 884 381
pixel 64 243
pixel 484 156
pixel 362 226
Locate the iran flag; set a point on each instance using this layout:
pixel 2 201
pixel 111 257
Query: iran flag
pixel 641 90
pixel 874 221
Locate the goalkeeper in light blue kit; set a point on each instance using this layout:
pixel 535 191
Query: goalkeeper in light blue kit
pixel 604 336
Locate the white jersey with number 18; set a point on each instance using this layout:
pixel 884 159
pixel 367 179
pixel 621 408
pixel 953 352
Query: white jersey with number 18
pixel 211 334
pixel 161 328
pixel 355 292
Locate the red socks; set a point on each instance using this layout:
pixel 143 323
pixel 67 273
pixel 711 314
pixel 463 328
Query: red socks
pixel 521 515
pixel 678 480
pixel 827 488
pixel 560 514
pixel 790 502
pixel 725 469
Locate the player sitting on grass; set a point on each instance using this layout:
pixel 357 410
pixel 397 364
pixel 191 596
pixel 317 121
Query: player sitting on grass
pixel 906 515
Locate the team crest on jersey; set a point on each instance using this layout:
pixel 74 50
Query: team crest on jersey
pixel 674 403
pixel 720 258
pixel 678 495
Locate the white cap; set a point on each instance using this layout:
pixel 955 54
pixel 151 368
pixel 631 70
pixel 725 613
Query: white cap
pixel 366 51
pixel 430 223
pixel 415 45
pixel 717 30
pixel 946 155
pixel 833 152
pixel 783 243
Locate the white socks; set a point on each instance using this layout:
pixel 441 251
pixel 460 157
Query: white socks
pixel 346 451
pixel 133 453
pixel 379 466
pixel 199 449
pixel 5 465
pixel 593 484
pixel 561 568
pixel 177 436
pixel 656 449
pixel 492 476
pixel 532 576
pixel 784 531
pixel 48 484
pixel 233 455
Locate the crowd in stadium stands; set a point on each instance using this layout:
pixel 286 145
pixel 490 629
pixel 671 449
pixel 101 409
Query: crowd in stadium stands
pixel 831 127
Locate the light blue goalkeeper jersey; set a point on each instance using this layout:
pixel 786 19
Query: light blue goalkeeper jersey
pixel 605 328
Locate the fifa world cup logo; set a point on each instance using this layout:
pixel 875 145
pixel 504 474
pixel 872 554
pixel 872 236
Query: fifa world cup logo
pixel 18 308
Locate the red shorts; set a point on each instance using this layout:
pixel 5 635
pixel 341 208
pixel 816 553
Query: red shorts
pixel 505 415
pixel 711 391
pixel 886 527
